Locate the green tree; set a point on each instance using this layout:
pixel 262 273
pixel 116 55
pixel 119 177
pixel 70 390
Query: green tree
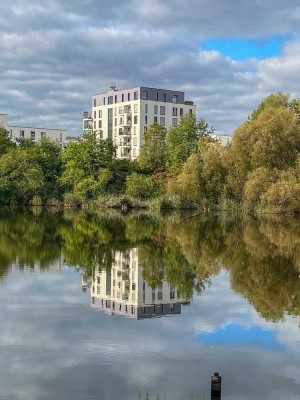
pixel 275 100
pixel 5 142
pixel 182 140
pixel 154 151
pixel 21 177
pixel 142 187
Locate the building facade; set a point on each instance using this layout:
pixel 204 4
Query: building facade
pixel 125 115
pixel 35 134
pixel 122 290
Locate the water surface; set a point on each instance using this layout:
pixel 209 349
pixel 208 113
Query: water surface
pixel 107 307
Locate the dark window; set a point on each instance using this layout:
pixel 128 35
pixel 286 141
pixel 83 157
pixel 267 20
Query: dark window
pixel 136 95
pixel 128 96
pixel 162 121
pixel 164 97
pixel 116 98
pixel 110 123
pixel 190 111
pixel 100 113
pixel 155 109
pixel 144 95
pixel 104 100
pixel 100 124
pixel 146 108
pixel 94 102
pixel 116 121
pixel 181 111
pixel 22 134
pixel 146 119
pixel 162 110
pixel 110 100
pixel 175 99
pixel 156 96
pixel 155 118
pixel 101 134
pixel 123 98
pixel 174 112
pixel 174 121
pixel 32 135
pixel 135 119
pixel 94 114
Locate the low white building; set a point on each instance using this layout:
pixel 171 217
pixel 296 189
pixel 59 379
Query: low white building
pixel 33 133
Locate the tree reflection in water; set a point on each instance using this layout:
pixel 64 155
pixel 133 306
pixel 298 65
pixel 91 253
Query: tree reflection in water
pixel 262 256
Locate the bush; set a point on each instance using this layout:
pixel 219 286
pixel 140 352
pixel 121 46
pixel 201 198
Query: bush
pixel 142 187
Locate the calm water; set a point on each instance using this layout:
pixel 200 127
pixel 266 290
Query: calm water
pixel 107 307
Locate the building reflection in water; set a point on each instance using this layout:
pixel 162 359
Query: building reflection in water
pixel 123 290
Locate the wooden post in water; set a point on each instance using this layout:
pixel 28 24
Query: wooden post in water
pixel 216 384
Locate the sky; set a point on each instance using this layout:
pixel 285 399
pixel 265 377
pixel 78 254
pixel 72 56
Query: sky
pixel 226 55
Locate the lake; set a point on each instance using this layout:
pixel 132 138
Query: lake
pixel 105 306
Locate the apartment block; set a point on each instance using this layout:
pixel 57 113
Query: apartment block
pixel 33 133
pixel 125 115
pixel 122 290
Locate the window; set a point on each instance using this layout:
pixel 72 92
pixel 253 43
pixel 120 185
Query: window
pixel 145 129
pixel 95 114
pixel 155 109
pixel 134 130
pixel 104 100
pixel 94 102
pixel 144 95
pixel 110 99
pixel 32 135
pixel 43 135
pixel 156 96
pixel 10 133
pixel 135 141
pixel 116 110
pixel 136 96
pixel 181 111
pixel 116 121
pixel 135 108
pixel 134 155
pixel 101 134
pixel 100 124
pixel 146 108
pixel 159 295
pixel 133 286
pixel 123 98
pixel 146 119
pixel 153 295
pixel 174 121
pixel 175 99
pixel 128 96
pixel 120 110
pixel 155 118
pixel 22 134
pixel 116 98
pixel 190 111
pixel 172 295
pixel 100 114
pixel 94 124
pixel 174 112
pixel 121 121
pixel 164 97
pixel 115 131
pixel 135 119
pixel 162 121
pixel 162 110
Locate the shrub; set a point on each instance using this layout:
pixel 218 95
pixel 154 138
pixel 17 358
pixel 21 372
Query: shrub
pixel 142 187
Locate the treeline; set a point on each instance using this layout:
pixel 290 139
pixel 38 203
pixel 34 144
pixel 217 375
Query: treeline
pixel 186 166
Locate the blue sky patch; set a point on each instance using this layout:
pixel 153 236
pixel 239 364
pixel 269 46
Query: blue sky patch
pixel 242 49
pixel 235 335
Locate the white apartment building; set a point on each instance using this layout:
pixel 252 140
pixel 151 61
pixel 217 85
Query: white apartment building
pixel 123 291
pixel 35 134
pixel 125 115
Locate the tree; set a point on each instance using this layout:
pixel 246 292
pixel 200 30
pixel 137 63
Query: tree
pixel 182 140
pixel 21 177
pixel 142 187
pixel 275 100
pixel 154 151
pixel 5 142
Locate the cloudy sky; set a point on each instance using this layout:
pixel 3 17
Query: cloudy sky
pixel 226 55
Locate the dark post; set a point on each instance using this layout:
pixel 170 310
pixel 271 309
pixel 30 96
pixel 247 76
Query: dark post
pixel 216 383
